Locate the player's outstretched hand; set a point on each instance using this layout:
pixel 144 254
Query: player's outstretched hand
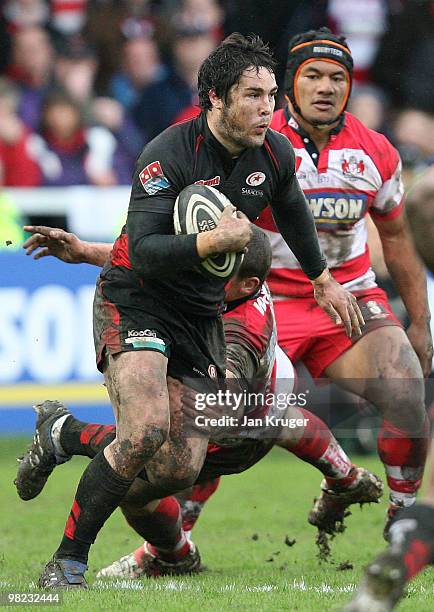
pixel 55 242
pixel 338 303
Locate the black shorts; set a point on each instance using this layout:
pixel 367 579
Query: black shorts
pixel 126 319
pixel 226 460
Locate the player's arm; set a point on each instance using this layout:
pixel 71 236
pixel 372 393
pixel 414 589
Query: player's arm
pixel 409 276
pixel 55 242
pixel 155 251
pixel 162 171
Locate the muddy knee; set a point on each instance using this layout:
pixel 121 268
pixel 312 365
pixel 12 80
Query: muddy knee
pixel 401 401
pixel 129 453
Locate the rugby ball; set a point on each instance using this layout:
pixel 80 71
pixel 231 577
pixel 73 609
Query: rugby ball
pixel 198 209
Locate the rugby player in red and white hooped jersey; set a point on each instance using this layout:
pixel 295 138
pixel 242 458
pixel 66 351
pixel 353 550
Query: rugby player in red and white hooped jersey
pixel 252 356
pixel 347 172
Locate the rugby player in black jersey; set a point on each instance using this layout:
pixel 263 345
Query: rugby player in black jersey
pixel 253 357
pixel 151 285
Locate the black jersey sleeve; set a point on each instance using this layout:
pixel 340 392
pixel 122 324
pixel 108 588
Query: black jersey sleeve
pixel 162 171
pixel 154 250
pixel 294 218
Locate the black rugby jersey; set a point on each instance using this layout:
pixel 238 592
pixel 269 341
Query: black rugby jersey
pixel 167 265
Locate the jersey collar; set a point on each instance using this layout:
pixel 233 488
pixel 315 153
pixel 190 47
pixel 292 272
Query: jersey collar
pixel 292 122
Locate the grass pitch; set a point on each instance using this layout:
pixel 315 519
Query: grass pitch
pixel 241 536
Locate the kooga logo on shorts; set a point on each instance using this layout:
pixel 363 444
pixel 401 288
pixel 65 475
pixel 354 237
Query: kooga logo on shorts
pixel 135 333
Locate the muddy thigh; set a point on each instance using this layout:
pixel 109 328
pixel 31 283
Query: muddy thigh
pixel 136 382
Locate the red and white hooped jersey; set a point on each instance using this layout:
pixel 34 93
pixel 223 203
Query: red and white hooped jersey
pixel 357 173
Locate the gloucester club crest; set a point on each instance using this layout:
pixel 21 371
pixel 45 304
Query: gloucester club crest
pixel 352 167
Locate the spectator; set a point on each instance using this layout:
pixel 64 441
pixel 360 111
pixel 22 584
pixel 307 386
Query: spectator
pixel 413 135
pixel 70 152
pixel 160 103
pixel 129 141
pixel 363 27
pixel 108 23
pixel 404 66
pixel 68 18
pixel 200 15
pixel 141 66
pixel 25 13
pixel 32 69
pixel 18 166
pixel 368 104
pixel 75 71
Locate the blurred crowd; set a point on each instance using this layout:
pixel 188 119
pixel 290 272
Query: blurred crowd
pixel 84 84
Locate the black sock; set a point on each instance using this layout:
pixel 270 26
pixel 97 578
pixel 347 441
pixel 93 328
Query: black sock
pixel 88 439
pixel 99 493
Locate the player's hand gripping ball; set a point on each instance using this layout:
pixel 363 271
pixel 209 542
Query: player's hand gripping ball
pixel 198 209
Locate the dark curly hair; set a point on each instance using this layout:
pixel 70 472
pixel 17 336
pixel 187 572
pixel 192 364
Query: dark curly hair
pixel 224 66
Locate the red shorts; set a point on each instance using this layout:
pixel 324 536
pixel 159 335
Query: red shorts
pixel 306 333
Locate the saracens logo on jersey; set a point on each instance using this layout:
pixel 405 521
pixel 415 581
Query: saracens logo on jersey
pixel 153 179
pixel 255 179
pixel 352 167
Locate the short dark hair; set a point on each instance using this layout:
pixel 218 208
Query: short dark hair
pixel 257 260
pixel 224 66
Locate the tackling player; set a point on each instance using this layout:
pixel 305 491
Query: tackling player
pixel 252 355
pixel 346 172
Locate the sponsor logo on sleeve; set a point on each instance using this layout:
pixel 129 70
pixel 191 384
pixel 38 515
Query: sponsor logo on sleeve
pixel 153 179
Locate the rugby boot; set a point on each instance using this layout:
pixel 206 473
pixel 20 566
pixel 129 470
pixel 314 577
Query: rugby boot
pixel 36 465
pixel 331 507
pixel 382 586
pixel 143 562
pixel 63 574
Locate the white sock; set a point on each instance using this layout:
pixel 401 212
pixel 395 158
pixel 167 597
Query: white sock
pixel 56 427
